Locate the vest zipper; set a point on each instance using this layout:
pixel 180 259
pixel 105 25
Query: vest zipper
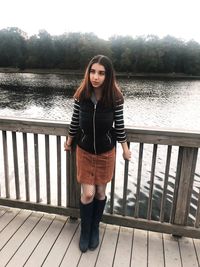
pixel 95 105
pixel 84 135
pixel 108 137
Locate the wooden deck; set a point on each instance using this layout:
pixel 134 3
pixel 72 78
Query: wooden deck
pixel 38 239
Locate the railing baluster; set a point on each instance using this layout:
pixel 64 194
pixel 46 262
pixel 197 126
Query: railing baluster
pixel 26 169
pixel 37 171
pixel 68 171
pixel 177 178
pixel 112 194
pixel 16 169
pixel 47 158
pixel 6 166
pixel 163 201
pixel 58 171
pixel 112 191
pixel 139 174
pixel 73 188
pixel 124 204
pixel 153 165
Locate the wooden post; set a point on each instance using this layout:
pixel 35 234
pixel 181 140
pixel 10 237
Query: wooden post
pixel 184 180
pixel 73 188
pixel 124 200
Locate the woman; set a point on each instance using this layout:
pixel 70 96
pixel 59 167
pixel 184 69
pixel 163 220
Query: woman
pixel 98 105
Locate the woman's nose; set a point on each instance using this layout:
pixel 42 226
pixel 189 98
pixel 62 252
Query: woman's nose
pixel 96 75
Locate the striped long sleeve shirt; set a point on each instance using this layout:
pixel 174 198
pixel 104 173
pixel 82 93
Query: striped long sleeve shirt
pixel 118 122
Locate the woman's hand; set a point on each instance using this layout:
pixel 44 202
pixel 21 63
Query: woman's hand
pixel 127 154
pixel 68 144
pixel 67 147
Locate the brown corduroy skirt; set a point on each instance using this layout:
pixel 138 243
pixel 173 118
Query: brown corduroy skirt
pixel 94 169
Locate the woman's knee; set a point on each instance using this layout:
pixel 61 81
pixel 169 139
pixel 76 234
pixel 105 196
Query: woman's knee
pixel 88 192
pixel 100 193
pixel 100 196
pixel 88 196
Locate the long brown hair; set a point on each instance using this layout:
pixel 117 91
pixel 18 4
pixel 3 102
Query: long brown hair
pixel 111 93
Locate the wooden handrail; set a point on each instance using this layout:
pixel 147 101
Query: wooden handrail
pixel 134 134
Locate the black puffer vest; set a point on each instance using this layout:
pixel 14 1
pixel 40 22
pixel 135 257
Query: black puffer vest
pixel 96 131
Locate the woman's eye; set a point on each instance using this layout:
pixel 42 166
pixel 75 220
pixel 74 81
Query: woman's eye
pixel 102 73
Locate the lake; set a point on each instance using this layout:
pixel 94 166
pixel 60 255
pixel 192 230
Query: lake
pixel 163 103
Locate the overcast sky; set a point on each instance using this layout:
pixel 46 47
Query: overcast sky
pixel 105 18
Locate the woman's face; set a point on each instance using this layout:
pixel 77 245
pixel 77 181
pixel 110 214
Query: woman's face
pixel 97 75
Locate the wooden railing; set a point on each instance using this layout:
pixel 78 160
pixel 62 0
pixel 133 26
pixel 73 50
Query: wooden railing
pixel 159 190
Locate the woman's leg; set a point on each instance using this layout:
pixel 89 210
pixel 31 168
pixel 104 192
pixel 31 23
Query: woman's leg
pixel 100 192
pixel 86 214
pixel 88 193
pixel 98 208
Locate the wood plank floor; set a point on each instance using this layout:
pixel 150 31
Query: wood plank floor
pixel 38 239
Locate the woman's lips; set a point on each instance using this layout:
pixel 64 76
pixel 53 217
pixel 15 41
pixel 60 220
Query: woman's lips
pixel 95 83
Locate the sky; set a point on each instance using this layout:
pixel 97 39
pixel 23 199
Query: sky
pixel 105 18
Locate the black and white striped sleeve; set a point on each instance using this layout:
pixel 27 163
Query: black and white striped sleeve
pixel 119 123
pixel 74 125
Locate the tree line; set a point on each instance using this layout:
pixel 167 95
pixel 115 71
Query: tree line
pixel 72 51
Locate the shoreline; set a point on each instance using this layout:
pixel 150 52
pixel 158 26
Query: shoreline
pixel 118 74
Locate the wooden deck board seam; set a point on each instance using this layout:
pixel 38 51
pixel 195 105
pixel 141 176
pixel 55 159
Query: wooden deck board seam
pixel 79 260
pixel 39 241
pixel 15 231
pixel 24 240
pixel 196 252
pixel 55 240
pixel 69 244
pixel 180 252
pixel 100 246
pixel 163 246
pixel 147 248
pixel 9 221
pixel 116 246
pixel 3 212
pixel 132 247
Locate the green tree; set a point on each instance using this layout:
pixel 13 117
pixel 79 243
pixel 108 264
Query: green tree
pixel 41 51
pixel 12 47
pixel 191 61
pixel 147 54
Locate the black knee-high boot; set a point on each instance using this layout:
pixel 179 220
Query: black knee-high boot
pixel 98 209
pixel 86 213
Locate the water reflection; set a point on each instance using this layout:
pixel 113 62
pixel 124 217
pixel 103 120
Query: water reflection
pixel 162 103
pixel 27 80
